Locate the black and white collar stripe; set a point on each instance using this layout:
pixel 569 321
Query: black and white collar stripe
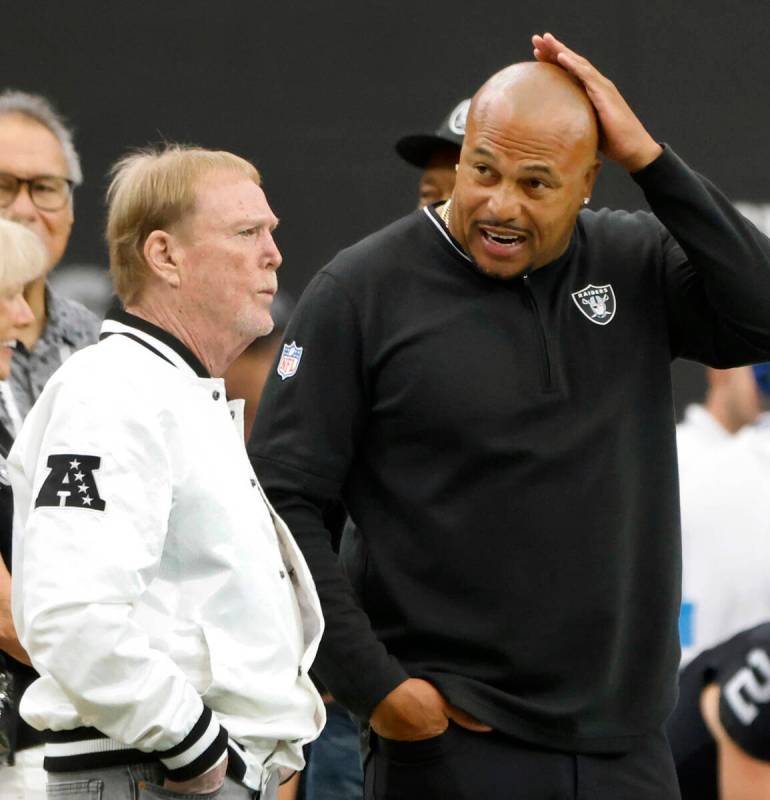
pixel 432 215
pixel 155 338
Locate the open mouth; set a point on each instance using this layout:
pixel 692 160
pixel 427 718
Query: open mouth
pixel 500 241
pixel 512 239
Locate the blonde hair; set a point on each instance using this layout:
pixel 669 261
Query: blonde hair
pixel 152 189
pixel 23 256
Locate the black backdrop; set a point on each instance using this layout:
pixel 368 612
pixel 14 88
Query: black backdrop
pixel 316 93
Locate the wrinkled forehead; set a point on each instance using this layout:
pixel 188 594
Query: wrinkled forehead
pixel 228 198
pixel 505 127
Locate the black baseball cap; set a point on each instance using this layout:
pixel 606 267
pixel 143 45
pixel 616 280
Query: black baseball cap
pixel 417 148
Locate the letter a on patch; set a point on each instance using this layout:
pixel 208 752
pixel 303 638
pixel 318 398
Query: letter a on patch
pixel 71 483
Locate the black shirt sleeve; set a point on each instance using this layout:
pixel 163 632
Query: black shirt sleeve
pixel 302 447
pixel 716 268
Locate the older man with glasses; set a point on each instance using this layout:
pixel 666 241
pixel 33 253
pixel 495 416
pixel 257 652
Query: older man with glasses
pixel 39 169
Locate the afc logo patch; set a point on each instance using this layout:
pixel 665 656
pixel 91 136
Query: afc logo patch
pixel 71 483
pixel 288 364
pixel 596 303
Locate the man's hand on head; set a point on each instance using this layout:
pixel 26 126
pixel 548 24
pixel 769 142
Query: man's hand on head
pixel 415 709
pixel 624 138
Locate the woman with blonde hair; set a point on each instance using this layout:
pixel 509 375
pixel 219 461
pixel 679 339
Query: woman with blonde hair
pixel 23 258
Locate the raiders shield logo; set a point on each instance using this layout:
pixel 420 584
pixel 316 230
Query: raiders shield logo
pixel 71 483
pixel 289 361
pixel 596 303
pixel 459 117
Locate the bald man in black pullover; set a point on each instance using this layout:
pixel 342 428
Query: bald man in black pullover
pixel 486 384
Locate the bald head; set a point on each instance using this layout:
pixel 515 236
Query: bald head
pixel 541 96
pixel 528 164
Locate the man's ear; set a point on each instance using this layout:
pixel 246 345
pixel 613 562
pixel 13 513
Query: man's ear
pixel 162 256
pixel 590 177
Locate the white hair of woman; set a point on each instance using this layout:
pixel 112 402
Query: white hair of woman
pixel 23 256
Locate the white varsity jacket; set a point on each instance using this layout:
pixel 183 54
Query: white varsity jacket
pixel 165 605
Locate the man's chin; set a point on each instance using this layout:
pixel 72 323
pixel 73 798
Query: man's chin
pixel 262 327
pixel 502 269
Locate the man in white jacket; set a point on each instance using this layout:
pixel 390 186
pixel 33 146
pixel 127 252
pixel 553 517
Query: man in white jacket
pixel 163 602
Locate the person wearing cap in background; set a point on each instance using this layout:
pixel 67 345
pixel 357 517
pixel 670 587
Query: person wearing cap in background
pixel 436 154
pixel 720 730
pixel 724 471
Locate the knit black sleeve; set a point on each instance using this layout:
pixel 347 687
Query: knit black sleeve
pixel 311 416
pixel 716 267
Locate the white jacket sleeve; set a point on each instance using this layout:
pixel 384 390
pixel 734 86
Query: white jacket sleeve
pixel 93 483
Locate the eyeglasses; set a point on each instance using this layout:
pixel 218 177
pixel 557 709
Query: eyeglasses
pixel 47 192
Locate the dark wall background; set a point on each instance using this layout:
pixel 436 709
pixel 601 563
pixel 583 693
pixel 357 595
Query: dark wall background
pixel 316 93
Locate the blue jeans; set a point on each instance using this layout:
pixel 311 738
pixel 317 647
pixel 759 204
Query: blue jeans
pixel 334 765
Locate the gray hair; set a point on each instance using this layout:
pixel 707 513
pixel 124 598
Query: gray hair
pixel 37 108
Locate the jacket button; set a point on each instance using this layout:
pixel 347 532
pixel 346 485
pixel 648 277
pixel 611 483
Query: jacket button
pixel 215 394
pixel 232 415
pixel 253 482
pixel 282 573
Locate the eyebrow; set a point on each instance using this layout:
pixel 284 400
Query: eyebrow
pixel 261 222
pixel 482 151
pixel 542 169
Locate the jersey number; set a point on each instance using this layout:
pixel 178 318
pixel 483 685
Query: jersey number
pixel 745 680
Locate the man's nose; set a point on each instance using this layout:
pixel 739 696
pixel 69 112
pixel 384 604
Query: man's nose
pixel 273 253
pixel 505 203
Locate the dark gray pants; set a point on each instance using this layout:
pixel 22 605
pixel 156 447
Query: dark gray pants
pixel 137 782
pixel 461 765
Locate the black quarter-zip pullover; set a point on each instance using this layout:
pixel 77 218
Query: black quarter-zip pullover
pixel 506 449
